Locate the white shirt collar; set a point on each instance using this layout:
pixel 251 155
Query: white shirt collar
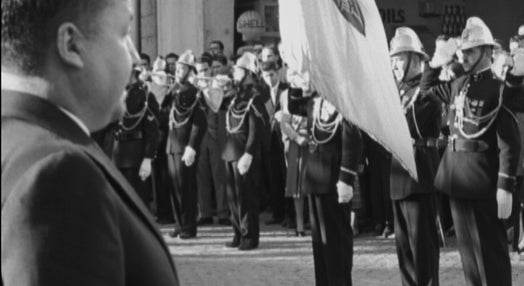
pixel 36 87
pixel 77 120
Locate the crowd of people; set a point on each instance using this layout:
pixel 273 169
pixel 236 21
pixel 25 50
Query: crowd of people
pixel 205 136
pixel 243 136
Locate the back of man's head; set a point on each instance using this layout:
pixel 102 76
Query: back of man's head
pixel 29 27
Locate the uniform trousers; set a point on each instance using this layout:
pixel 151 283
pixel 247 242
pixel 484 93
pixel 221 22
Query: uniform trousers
pixel 184 193
pixel 210 175
pixel 164 210
pixel 332 239
pixel 141 187
pixel 277 176
pixel 482 242
pixel 243 199
pixel 379 184
pixel 416 239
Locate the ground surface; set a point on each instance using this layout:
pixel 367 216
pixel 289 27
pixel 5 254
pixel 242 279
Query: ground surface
pixel 283 259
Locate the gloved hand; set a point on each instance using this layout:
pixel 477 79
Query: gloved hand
pixel 282 116
pixel 301 140
pixel 502 62
pixel 345 192
pixel 145 169
pixel 159 64
pixel 444 52
pixel 504 203
pixel 518 63
pixel 189 156
pixel 244 163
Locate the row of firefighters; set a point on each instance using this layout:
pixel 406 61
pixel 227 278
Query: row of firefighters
pixel 242 132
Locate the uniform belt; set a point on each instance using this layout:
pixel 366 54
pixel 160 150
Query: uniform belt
pixel 464 145
pixel 430 143
pixel 128 136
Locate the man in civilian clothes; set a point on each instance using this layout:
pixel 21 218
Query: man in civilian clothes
pixel 69 217
pixel 277 163
pixel 242 153
pixel 211 174
pixel 479 166
pixel 415 203
pixel 331 168
pixel 187 127
pixel 136 138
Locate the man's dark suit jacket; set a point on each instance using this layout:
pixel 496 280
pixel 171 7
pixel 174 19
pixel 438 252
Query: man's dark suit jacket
pixel 68 216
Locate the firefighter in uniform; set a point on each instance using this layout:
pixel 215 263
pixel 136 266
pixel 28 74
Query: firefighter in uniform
pixel 335 150
pixel 187 126
pixel 136 138
pixel 479 165
pixel 415 203
pixel 242 153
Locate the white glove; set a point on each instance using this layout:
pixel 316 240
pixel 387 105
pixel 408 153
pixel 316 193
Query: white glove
pixel 345 192
pixel 444 52
pixel 159 78
pixel 501 63
pixel 282 116
pixel 145 169
pixel 301 140
pixel 518 63
pixel 504 203
pixel 244 163
pixel 159 64
pixel 189 156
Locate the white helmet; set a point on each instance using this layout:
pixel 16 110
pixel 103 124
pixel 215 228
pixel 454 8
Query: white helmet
pixel 187 58
pixel 249 62
pixel 476 34
pixel 406 40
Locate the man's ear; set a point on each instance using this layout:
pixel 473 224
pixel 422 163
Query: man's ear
pixel 69 45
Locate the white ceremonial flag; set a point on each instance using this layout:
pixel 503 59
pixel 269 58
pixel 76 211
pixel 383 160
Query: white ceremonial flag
pixel 342 45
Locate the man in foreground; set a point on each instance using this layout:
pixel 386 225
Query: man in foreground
pixel 68 215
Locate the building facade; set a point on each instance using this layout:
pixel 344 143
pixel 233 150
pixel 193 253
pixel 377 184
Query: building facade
pixel 164 26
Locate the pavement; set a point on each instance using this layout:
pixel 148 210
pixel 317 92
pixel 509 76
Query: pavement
pixel 284 259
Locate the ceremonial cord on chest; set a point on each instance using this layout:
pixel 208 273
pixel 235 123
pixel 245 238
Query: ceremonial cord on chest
pixel 140 115
pixel 462 107
pixel 237 114
pixel 183 113
pixel 326 127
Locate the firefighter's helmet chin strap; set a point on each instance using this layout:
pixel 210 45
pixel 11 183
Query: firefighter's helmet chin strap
pixel 408 66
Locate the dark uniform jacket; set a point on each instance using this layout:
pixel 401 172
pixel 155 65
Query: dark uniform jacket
pixel 138 133
pixel 423 115
pixel 475 167
pixel 187 121
pixel 273 108
pixel 247 135
pixel 68 215
pixel 335 160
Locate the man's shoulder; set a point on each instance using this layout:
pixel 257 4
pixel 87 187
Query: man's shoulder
pixel 31 154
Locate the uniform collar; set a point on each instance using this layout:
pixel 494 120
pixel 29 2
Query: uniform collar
pixel 483 73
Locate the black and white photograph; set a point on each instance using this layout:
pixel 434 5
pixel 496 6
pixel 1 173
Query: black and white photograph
pixel 262 142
